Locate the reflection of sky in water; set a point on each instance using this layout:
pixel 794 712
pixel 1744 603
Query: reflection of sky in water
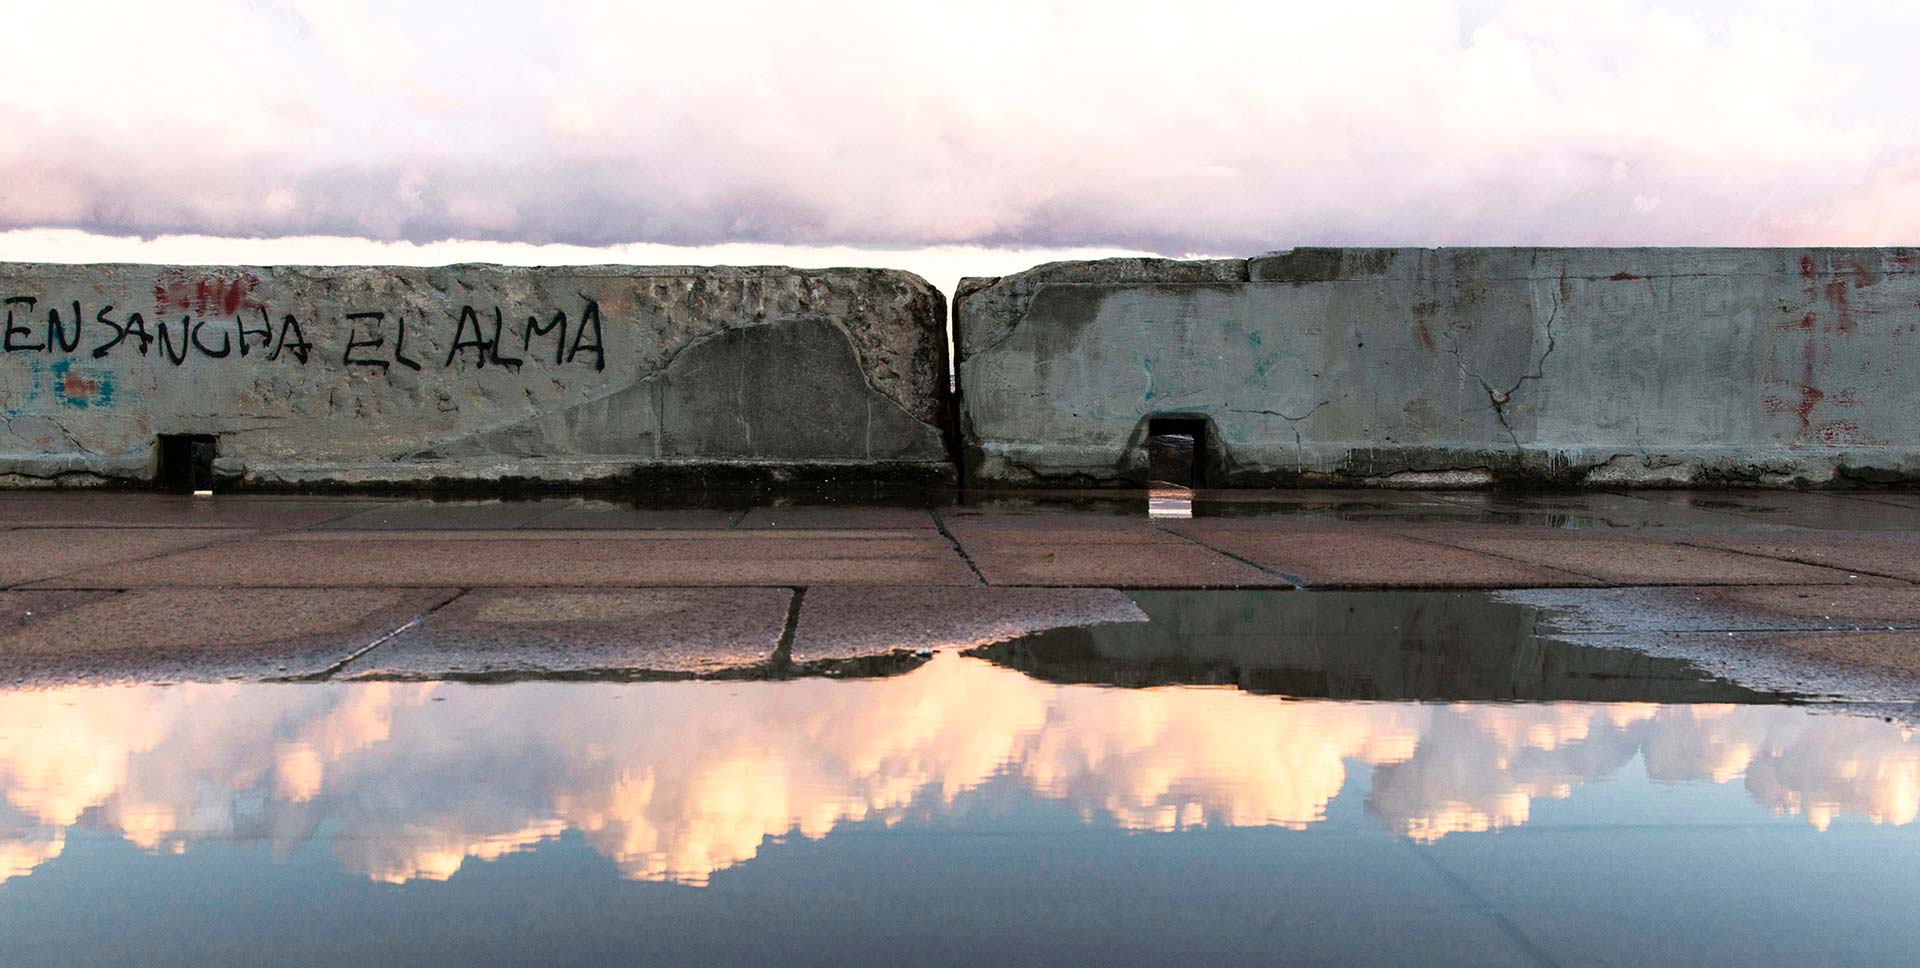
pixel 677 781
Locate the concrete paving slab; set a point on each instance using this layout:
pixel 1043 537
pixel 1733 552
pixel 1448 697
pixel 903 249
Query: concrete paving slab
pixel 712 537
pixel 1117 565
pixel 1639 559
pixel 1277 524
pixel 846 623
pixel 531 563
pixel 807 516
pixel 1796 509
pixel 22 606
pixel 1897 499
pixel 1359 558
pixel 1896 650
pixel 206 635
pixel 1588 511
pixel 1387 510
pixel 652 544
pixel 1317 497
pixel 32 554
pixel 973 519
pixel 971 537
pixel 122 510
pixel 586 514
pixel 1724 608
pixel 462 515
pixel 1897 555
pixel 1860 666
pixel 497 632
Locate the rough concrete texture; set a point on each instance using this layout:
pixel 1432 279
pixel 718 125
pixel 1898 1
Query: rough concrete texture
pixel 535 561
pixel 33 554
pixel 1739 608
pixel 1452 367
pixel 207 634
pixel 654 632
pixel 293 594
pixel 471 373
pixel 1628 559
pixel 847 623
pixel 1352 559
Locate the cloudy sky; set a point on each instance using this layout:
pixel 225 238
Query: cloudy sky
pixel 978 136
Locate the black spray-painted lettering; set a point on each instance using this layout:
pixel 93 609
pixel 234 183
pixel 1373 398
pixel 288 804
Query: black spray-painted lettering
pixel 375 341
pixel 57 330
pixel 14 329
pixel 265 332
pixel 592 315
pixel 226 342
pixel 119 333
pixel 166 344
pixel 299 346
pixel 369 342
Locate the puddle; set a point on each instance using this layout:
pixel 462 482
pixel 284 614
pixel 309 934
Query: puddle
pixel 1436 646
pixel 1246 778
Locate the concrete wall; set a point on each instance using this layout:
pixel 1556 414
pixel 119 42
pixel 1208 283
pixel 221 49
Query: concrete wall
pixel 472 373
pixel 1452 367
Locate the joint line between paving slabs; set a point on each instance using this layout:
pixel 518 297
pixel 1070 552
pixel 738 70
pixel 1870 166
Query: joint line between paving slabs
pixel 782 656
pixel 1294 580
pixel 1872 498
pixel 1412 536
pixel 940 524
pixel 1728 513
pixel 334 669
pixel 251 534
pixel 1519 938
pixel 1798 561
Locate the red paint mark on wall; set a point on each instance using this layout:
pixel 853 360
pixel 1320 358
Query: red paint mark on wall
pixel 1839 433
pixel 1903 258
pixel 1807 268
pixel 181 291
pixel 1810 397
pixel 1623 277
pixel 1837 298
pixel 1422 311
pixel 1863 276
pixel 77 386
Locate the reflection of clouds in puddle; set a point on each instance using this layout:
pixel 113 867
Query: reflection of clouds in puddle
pixel 674 781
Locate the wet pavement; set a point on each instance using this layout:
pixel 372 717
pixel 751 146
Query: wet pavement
pixel 1303 727
pixel 175 588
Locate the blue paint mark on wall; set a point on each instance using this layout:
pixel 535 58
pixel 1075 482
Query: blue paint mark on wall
pixel 78 390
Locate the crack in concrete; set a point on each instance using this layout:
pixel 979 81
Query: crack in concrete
pixel 1499 399
pixel 1286 416
pixel 1299 443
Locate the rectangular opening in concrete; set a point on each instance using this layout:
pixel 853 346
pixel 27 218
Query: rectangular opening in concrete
pixel 186 462
pixel 1176 451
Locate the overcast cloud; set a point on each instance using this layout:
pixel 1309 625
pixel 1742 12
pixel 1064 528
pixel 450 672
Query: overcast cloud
pixel 1176 128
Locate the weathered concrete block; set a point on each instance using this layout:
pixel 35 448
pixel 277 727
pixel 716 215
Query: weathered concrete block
pixel 1452 367
pixel 471 373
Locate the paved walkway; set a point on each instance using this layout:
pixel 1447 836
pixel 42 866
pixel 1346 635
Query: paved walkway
pixel 155 587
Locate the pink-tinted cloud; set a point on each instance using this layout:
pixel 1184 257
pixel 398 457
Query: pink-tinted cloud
pixel 1172 128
